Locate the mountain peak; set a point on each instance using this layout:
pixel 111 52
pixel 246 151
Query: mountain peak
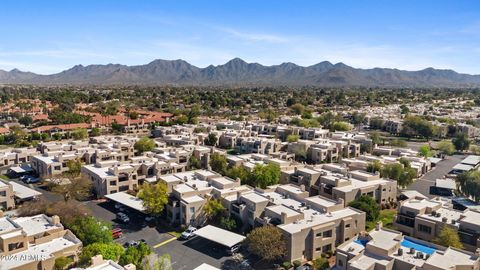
pixel 238 72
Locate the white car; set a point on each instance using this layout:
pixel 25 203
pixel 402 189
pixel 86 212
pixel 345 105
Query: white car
pixel 188 233
pixel 122 217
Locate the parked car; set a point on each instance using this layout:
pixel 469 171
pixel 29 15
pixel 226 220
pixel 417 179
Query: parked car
pixel 235 249
pixel 30 179
pixel 188 233
pixel 304 267
pixel 117 233
pixel 123 217
pixel 130 244
pixel 119 207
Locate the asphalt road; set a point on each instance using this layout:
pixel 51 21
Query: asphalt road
pixel 424 183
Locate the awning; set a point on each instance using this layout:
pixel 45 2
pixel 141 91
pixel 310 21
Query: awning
pixel 22 192
pixel 127 200
pixel 220 236
pixel 21 169
pixel 446 183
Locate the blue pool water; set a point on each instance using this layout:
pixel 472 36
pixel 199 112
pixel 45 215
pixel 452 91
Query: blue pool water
pixel 419 247
pixel 362 242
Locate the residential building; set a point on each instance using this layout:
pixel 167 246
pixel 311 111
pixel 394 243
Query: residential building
pixel 32 243
pixel 425 218
pixel 311 225
pixel 7 200
pixel 388 249
pixel 337 182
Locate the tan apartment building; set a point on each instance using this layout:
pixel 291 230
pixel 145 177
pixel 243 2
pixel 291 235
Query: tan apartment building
pixel 7 200
pixel 384 249
pixel 32 243
pixel 425 218
pixel 337 182
pixel 190 190
pixel 311 225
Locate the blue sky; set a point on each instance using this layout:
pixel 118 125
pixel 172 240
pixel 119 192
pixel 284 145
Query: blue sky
pixel 50 36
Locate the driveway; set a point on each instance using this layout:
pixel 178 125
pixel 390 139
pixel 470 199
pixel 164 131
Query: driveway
pixel 424 183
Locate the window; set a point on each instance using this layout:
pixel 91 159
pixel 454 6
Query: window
pixel 424 228
pixel 113 183
pixel 347 226
pixel 327 233
pixel 327 248
pixel 3 193
pixel 318 249
pixel 192 209
pixel 340 263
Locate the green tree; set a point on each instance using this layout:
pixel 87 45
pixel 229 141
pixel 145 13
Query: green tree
pixel 469 184
pixel 79 134
pixel 238 172
pixel 91 230
pixel 265 175
pixel 135 255
pixel 109 251
pixel 228 223
pixel 144 144
pixel 194 163
pixel 156 262
pixel 341 126
pixel 425 151
pixel 404 175
pixel 446 147
pixel 449 237
pixel 211 139
pixel 297 108
pixel 154 197
pixel 368 205
pixel 320 263
pixel 95 132
pixel 218 163
pixel 461 142
pixel 213 209
pixel 292 138
pixel 62 263
pixel 74 167
pixel 267 242
pixel 26 121
pixel 374 166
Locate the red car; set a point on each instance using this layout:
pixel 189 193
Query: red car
pixel 117 233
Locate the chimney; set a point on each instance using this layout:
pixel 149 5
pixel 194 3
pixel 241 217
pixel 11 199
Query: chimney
pixel 378 226
pixel 97 260
pixel 56 220
pixel 284 218
pixel 239 194
pixel 130 266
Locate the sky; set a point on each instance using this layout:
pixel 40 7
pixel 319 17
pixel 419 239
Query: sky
pixel 50 36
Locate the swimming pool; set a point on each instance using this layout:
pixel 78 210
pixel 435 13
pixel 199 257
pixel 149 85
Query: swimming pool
pixel 418 247
pixel 362 242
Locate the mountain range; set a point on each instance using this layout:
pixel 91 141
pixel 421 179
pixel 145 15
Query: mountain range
pixel 239 72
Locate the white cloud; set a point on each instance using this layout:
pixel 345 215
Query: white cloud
pixel 255 37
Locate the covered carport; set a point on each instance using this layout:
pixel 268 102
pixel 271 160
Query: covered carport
pixel 23 193
pixel 127 200
pixel 220 236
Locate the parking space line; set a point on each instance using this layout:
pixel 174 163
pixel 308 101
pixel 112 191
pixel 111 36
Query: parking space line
pixel 165 242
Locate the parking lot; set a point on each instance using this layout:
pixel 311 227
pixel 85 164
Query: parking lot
pixel 185 254
pixel 424 183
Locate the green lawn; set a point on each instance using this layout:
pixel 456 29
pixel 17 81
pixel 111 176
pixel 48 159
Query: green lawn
pixel 386 217
pixel 4 177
